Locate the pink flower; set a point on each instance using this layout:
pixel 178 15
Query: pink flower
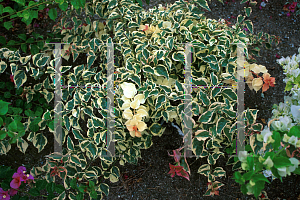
pixel 288 14
pixel 21 170
pixel 293 5
pixel 4 195
pixel 260 7
pixel 26 177
pixel 277 56
pixel 16 182
pixel 12 192
pixel 245 29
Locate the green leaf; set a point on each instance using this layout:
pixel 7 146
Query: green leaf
pixel 39 111
pixel 16 126
pixel 39 141
pixel 155 129
pixel 206 116
pixel 248 11
pixel 26 15
pixel 52 14
pixel 63 6
pixel 295 130
pixel 229 94
pixel 7 95
pixel 2 135
pixel 276 136
pixel 247 176
pixel 8 9
pixel 159 101
pixel 41 184
pixel 59 189
pixel 50 187
pixel 2 40
pixel 73 183
pixel 179 56
pixel 281 162
pixel 259 186
pixel 70 144
pixel 259 177
pixel 249 25
pixel 34 127
pixel 34 49
pixel 30 40
pixel 161 70
pixel 93 194
pixel 34 192
pixel 79 196
pixel 104 188
pixel 8 25
pixel 140 2
pixel 203 4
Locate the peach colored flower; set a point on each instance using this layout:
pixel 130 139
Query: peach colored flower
pixel 269 81
pixel 135 127
pixel 257 83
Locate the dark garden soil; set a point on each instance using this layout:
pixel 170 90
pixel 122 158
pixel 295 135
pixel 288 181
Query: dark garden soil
pixel 149 179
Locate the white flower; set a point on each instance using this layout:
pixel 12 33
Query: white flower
pixel 283 124
pixel 127 114
pixel 269 163
pixel 245 166
pixel 266 133
pixel 281 60
pixel 293 140
pixel 140 97
pixel 267 173
pixel 296 72
pixel 128 89
pixel 295 110
pixel 135 104
pixel 249 189
pixel 282 171
pixel 298 144
pixel 285 138
pixel 243 156
pixel 295 163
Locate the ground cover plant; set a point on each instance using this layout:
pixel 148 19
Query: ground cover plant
pixel 134 125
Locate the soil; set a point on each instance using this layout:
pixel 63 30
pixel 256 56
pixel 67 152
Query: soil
pixel 149 179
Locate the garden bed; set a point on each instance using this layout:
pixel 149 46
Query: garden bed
pixel 149 179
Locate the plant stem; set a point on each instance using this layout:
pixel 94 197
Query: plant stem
pixel 17 115
pixel 25 9
pixel 281 150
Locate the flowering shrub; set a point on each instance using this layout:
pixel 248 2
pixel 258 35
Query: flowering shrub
pixel 282 136
pixel 152 74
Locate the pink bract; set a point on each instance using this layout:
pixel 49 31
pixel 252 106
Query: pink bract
pixel 26 177
pixel 4 195
pixel 12 192
pixel 21 170
pixel 16 182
